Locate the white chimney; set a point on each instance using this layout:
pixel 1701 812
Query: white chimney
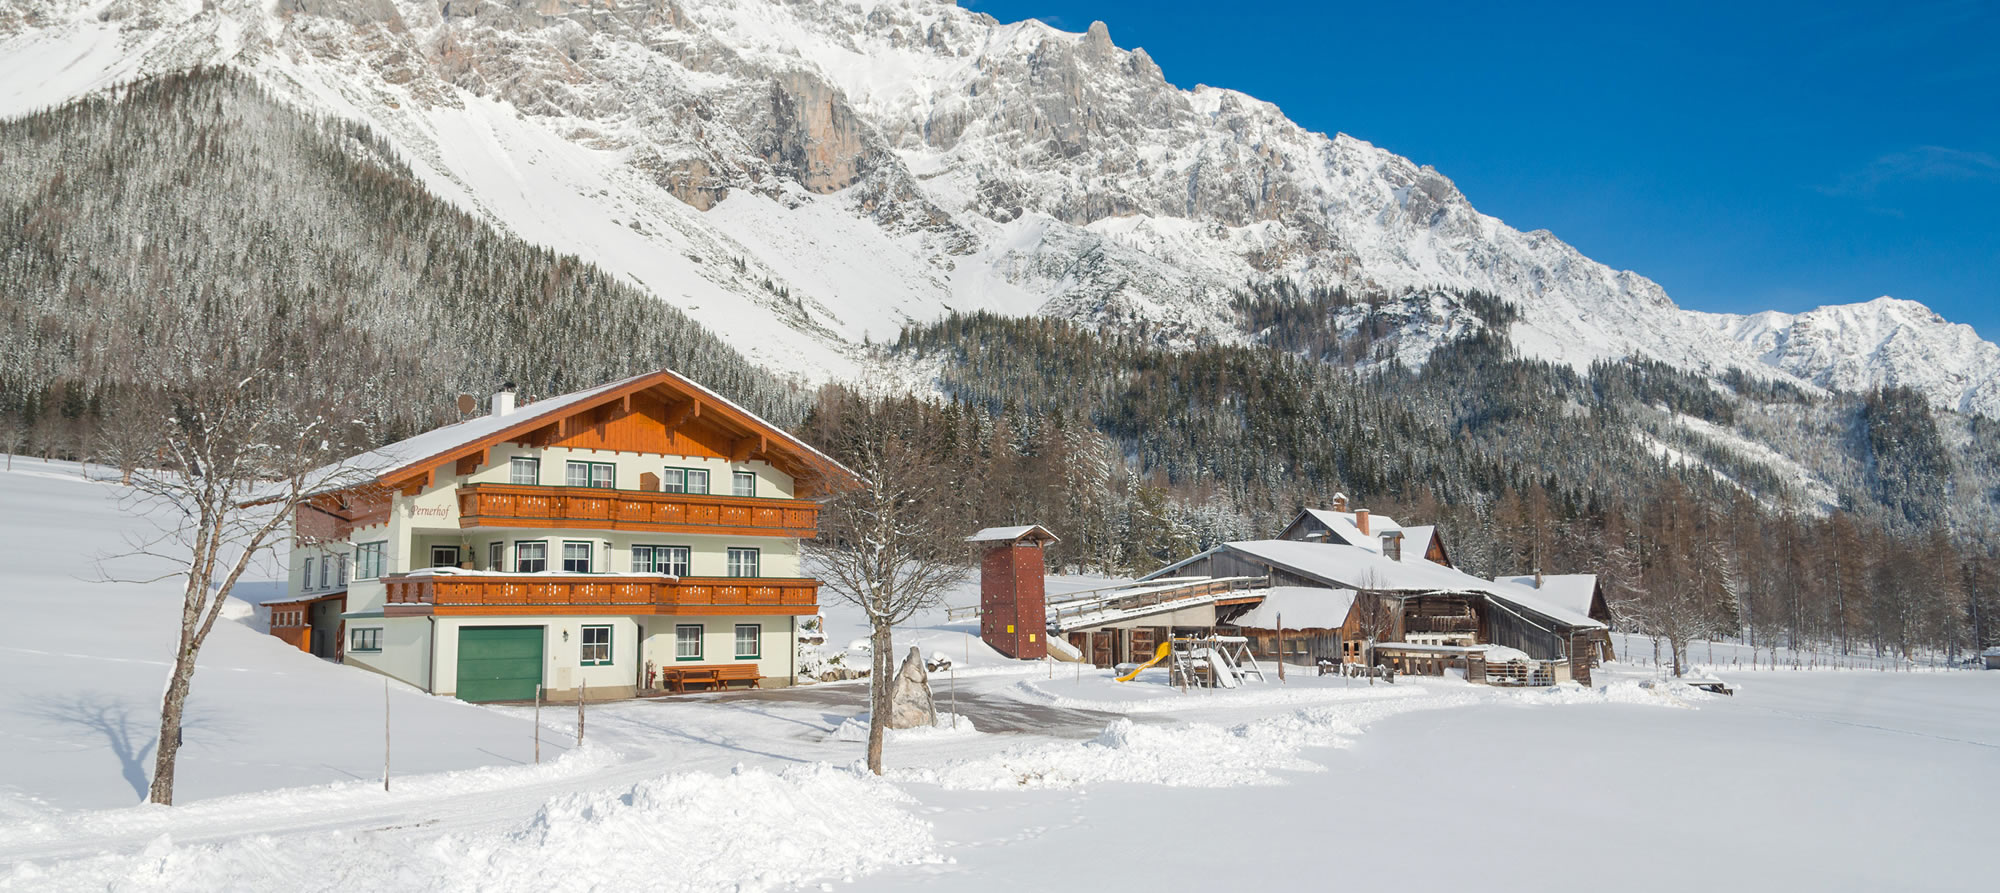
pixel 503 399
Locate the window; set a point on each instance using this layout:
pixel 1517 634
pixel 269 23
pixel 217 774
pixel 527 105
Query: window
pixel 531 557
pixel 596 646
pixel 576 558
pixel 496 556
pixel 367 638
pixel 684 480
pixel 687 642
pixel 444 556
pixel 524 470
pixel 343 570
pixel 589 474
pixel 671 560
pixel 743 562
pixel 368 560
pixel 325 573
pixel 748 637
pixel 743 483
pixel 309 574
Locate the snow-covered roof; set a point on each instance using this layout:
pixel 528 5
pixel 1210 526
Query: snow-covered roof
pixel 1301 607
pixel 1425 648
pixel 410 454
pixel 399 455
pixel 280 595
pixel 1010 534
pixel 1417 542
pixel 1347 527
pixel 1572 591
pixel 1354 567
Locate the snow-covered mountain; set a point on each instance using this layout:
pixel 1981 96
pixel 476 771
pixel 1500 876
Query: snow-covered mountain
pixel 845 168
pixel 1887 341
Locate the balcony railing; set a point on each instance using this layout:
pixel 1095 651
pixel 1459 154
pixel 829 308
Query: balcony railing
pixel 596 594
pixel 523 505
pixel 1441 623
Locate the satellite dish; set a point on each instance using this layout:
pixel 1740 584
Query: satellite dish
pixel 467 405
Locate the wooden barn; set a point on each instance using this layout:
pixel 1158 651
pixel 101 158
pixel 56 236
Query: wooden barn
pixel 1420 614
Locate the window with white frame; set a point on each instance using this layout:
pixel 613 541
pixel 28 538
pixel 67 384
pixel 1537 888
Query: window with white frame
pixel 366 638
pixel 684 480
pixel 596 646
pixel 531 557
pixel 325 573
pixel 672 560
pixel 496 556
pixel 576 557
pixel 742 562
pixel 687 641
pixel 524 470
pixel 309 574
pixel 749 639
pixel 343 570
pixel 369 560
pixel 589 474
pixel 743 483
pixel 444 556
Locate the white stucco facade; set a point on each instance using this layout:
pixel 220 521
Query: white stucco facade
pixel 421 527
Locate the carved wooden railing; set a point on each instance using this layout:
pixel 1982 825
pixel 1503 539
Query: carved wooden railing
pixel 523 505
pixel 598 594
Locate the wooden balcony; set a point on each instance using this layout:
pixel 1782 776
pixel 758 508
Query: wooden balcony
pixel 597 508
pixel 503 594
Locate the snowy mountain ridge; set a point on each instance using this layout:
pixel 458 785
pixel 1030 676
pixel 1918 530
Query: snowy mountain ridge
pixel 1886 341
pixel 847 168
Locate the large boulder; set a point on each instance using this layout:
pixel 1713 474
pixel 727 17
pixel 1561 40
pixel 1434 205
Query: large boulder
pixel 910 704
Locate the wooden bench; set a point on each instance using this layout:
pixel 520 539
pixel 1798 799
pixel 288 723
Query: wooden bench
pixel 712 675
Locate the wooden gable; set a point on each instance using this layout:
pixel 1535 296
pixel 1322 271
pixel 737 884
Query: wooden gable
pixel 1435 553
pixel 662 414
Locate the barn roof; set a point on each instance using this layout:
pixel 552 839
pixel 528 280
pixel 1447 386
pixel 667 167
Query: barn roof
pixel 1353 567
pixel 1572 591
pixel 1301 607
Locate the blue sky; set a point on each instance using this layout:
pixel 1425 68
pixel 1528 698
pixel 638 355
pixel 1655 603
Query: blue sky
pixel 1746 156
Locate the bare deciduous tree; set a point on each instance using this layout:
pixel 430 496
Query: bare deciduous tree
pixel 243 441
pixel 1376 614
pixel 132 435
pixel 13 435
pixel 893 547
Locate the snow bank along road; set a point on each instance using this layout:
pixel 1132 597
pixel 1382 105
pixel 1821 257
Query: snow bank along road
pixel 1819 780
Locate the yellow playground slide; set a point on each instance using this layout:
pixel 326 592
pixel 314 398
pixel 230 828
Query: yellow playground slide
pixel 1165 649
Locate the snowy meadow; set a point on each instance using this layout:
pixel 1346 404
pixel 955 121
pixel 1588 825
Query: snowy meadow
pixel 1823 779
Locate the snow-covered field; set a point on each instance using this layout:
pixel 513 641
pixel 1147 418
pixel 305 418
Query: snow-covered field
pixel 1825 780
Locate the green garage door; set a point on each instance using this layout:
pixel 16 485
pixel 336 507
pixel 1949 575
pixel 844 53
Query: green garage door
pixel 499 663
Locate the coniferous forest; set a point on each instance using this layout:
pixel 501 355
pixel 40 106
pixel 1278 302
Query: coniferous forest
pixel 143 227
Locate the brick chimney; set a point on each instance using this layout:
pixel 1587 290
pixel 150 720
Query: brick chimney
pixel 1013 609
pixel 1361 520
pixel 1340 502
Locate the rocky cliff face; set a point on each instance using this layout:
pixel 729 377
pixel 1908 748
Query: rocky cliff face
pixel 846 167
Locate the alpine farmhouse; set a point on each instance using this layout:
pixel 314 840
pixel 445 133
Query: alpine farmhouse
pixel 638 536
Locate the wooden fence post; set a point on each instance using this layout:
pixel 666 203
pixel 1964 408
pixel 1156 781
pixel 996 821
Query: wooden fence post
pixel 581 687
